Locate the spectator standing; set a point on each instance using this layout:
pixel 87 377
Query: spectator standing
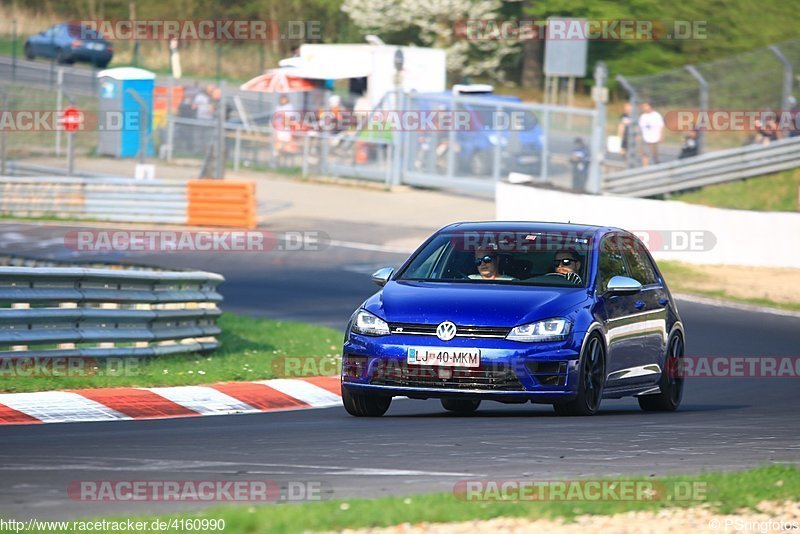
pixel 624 126
pixel 794 109
pixel 690 147
pixel 202 106
pixel 580 164
pixel 651 124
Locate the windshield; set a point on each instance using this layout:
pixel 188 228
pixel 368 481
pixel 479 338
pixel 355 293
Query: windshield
pixel 527 258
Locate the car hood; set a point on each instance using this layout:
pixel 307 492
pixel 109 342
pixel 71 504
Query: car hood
pixel 472 304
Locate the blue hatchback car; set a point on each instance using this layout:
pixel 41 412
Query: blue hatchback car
pixel 515 312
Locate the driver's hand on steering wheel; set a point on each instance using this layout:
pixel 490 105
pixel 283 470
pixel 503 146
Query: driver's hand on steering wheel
pixel 573 277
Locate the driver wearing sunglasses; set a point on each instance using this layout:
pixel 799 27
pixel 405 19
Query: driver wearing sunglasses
pixel 567 263
pixel 486 264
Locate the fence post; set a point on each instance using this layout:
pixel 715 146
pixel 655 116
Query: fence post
pixel 703 102
pixel 14 50
pixel 596 149
pixel 3 133
pixel 497 160
pixel 170 119
pixel 631 153
pixel 306 152
pixel 237 149
pixel 545 158
pixel 219 163
pixel 787 76
pixel 395 161
pixel 59 106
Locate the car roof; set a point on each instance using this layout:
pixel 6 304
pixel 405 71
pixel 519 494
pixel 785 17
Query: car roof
pixel 528 226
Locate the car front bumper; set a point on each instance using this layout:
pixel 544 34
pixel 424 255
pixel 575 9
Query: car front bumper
pixel 509 371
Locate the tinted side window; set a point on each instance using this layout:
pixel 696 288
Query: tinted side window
pixel 611 261
pixel 641 268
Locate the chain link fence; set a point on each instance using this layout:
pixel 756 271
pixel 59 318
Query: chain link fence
pixel 218 127
pixel 762 79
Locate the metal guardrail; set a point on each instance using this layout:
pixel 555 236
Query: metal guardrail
pixel 76 80
pixel 88 312
pixel 707 169
pixel 107 199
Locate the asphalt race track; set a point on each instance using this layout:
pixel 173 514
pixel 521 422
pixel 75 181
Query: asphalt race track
pixel 724 423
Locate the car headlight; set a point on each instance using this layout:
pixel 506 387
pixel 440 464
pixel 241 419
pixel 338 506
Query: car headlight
pixel 547 330
pixel 369 324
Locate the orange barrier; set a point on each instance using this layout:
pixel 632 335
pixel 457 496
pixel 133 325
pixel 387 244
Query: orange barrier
pixel 222 203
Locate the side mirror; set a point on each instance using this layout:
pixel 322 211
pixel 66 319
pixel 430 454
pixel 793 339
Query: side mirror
pixel 381 276
pixel 623 285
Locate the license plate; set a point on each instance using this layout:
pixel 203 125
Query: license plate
pixel 444 357
pixel 96 46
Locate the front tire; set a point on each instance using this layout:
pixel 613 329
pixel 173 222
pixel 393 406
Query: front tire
pixel 29 55
pixel 361 405
pixel 591 381
pixel 671 382
pixel 461 406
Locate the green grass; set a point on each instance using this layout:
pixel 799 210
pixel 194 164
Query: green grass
pixel 252 349
pixel 724 492
pixel 773 192
pixel 683 278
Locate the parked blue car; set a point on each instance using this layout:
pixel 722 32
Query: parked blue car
pixel 515 312
pixel 68 43
pixel 520 143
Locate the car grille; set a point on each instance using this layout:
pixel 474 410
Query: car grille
pixel 496 377
pixel 461 331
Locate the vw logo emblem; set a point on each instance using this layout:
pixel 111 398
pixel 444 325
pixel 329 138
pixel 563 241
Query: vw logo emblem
pixel 446 331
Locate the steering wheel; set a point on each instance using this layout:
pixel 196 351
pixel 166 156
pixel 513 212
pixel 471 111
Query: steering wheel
pixel 459 275
pixel 575 278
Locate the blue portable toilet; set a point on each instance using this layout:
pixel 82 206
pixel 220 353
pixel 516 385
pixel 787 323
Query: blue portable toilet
pixel 119 112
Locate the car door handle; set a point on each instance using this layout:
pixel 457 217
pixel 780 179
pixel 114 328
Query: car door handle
pixel 663 302
pixel 639 304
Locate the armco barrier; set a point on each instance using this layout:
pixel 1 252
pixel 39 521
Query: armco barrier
pixel 706 169
pixel 222 203
pixel 200 202
pixel 89 312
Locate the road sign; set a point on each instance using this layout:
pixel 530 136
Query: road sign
pixel 565 56
pixel 71 119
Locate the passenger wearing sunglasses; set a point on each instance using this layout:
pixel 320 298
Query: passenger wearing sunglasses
pixel 486 264
pixel 567 263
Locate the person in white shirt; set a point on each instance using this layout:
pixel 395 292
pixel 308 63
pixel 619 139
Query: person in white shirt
pixel 651 124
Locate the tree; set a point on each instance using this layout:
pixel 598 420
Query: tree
pixel 438 24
